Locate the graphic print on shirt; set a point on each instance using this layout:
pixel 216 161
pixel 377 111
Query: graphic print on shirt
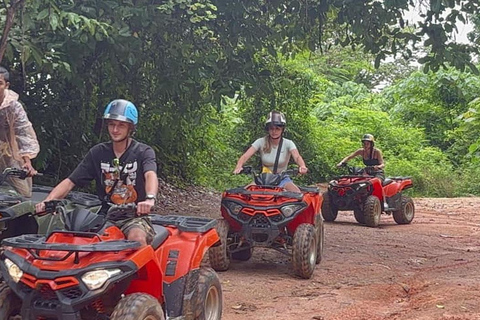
pixel 122 180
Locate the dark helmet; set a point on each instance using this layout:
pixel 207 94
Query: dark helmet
pixel 121 110
pixel 368 137
pixel 275 118
pixel 80 219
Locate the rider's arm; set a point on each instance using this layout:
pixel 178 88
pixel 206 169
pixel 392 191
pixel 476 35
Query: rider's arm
pixel 59 192
pixel 151 188
pixel 351 156
pixel 299 161
pixel 244 158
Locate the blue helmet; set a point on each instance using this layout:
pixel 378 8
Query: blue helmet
pixel 121 110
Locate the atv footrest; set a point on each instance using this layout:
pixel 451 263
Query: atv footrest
pixel 185 223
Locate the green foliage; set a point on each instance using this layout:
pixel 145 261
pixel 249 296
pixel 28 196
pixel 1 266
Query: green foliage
pixel 204 74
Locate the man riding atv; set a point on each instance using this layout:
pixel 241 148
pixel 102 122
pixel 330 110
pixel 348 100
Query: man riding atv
pixel 124 170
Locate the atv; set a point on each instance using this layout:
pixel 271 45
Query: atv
pixel 266 215
pixel 17 213
pixel 90 271
pixel 368 196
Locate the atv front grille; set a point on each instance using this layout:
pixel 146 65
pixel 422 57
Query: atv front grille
pixel 46 304
pixel 244 217
pixel 259 221
pixel 72 292
pixel 46 292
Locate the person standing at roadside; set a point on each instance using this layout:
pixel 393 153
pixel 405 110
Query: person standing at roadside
pixel 18 140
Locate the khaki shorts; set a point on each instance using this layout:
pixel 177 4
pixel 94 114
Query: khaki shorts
pixel 142 223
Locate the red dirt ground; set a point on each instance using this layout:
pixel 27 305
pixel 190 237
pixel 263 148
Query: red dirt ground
pixel 429 269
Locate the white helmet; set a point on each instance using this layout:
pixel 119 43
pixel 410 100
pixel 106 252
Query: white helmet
pixel 276 118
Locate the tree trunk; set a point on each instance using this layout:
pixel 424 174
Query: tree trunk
pixel 15 4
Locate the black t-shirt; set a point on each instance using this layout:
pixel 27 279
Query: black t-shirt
pixel 126 176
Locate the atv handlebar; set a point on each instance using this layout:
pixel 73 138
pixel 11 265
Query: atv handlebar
pixel 357 171
pixel 15 172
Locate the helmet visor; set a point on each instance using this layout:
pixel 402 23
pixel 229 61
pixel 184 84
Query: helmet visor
pixel 112 116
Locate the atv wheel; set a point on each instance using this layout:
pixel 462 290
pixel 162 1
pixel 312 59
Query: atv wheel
pixel 406 212
pixel 372 210
pixel 219 256
pixel 138 306
pixel 359 216
pixel 329 211
pixel 304 254
pixel 245 254
pixel 9 302
pixel 207 301
pixel 320 237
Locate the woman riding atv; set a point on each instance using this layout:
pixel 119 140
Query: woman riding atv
pixel 371 156
pixel 275 151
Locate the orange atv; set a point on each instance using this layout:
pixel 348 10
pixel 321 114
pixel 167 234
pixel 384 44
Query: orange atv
pixel 368 197
pixel 266 215
pixel 91 272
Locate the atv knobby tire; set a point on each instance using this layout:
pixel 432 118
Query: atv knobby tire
pixel 304 253
pixel 219 255
pixel 207 299
pixel 372 210
pixel 9 302
pixel 245 254
pixel 138 306
pixel 405 214
pixel 319 227
pixel 359 216
pixel 329 211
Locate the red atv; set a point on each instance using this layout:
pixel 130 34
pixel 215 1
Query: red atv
pixel 368 197
pixel 265 215
pixel 91 272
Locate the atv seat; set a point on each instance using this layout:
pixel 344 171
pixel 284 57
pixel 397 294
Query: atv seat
pixel 387 181
pixel 161 234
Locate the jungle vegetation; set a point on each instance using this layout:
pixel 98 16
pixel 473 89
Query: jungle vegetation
pixel 205 73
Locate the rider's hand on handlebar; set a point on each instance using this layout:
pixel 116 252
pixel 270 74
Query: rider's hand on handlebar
pixel 40 207
pixel 145 207
pixel 27 166
pixel 340 164
pixel 302 170
pixel 237 170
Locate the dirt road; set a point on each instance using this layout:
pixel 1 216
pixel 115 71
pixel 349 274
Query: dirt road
pixel 428 270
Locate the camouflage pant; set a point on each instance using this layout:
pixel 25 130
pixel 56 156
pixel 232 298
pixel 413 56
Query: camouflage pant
pixel 142 223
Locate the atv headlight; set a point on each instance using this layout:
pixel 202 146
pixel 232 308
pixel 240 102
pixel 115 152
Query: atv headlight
pixel 290 209
pixel 234 207
pixel 13 270
pixel 97 278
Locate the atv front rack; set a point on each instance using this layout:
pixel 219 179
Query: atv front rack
pixel 184 223
pixel 286 194
pixel 35 243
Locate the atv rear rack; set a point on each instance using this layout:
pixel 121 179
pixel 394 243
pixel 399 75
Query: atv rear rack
pixel 184 223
